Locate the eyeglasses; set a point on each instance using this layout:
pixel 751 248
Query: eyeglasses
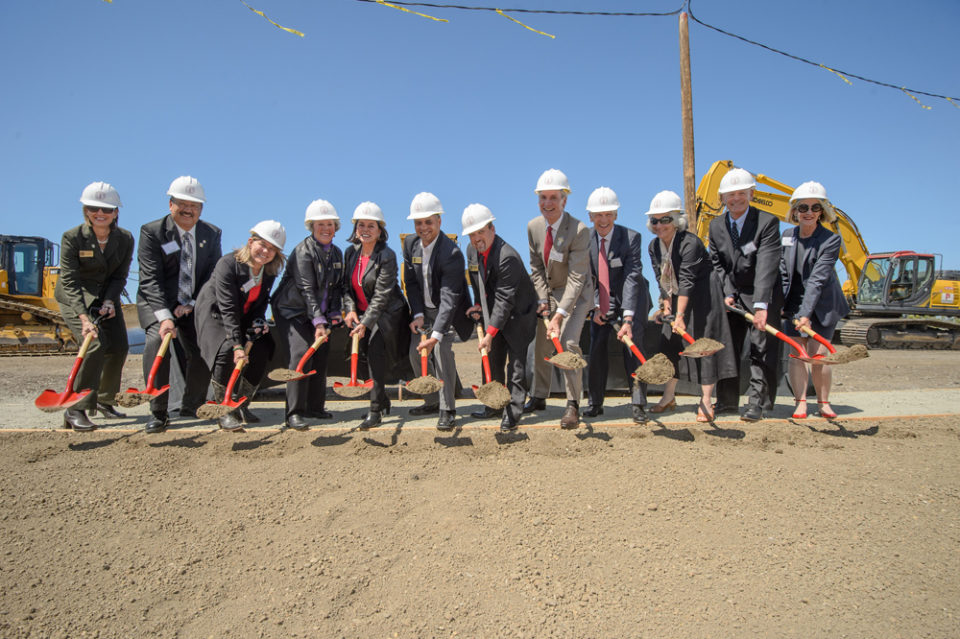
pixel 816 208
pixel 667 219
pixel 94 209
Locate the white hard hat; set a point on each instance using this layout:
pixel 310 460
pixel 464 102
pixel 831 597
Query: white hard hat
pixel 100 194
pixel 368 211
pixel 475 217
pixel 553 180
pixel 187 188
pixel 602 199
pixel 737 180
pixel 424 205
pixel 665 202
pixel 272 231
pixel 809 190
pixel 319 210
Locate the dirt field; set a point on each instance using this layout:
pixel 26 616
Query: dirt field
pixel 774 529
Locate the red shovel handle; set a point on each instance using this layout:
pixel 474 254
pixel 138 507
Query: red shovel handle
pixel 236 373
pixel 685 335
pixel 354 357
pixel 310 351
pixel 633 349
pixel 809 331
pixel 164 345
pixel 484 358
pixel 792 342
pixel 423 356
pixel 76 364
pixel 553 338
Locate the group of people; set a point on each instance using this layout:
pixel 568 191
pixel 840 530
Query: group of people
pixel 215 305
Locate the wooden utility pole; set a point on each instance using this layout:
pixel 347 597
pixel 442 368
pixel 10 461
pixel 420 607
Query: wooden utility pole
pixel 686 99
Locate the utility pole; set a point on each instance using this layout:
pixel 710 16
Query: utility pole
pixel 686 99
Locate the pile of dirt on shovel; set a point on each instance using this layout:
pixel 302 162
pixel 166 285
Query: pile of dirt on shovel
pixel 351 392
pixel 847 355
pixel 424 385
pixel 657 370
pixel 494 394
pixel 569 360
pixel 703 345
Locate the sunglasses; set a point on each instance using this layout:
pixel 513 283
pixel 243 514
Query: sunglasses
pixel 803 208
pixel 667 219
pixel 94 209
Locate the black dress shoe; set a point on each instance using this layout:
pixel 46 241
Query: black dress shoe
pixel 507 425
pixel 297 423
pixel 318 414
pixel 231 421
pixel 157 424
pixel 372 419
pixel 78 421
pixel 752 414
pixel 247 415
pixel 534 404
pixel 424 409
pixel 593 411
pixel 720 408
pixel 108 411
pixel 639 415
pixel 486 413
pixel 448 419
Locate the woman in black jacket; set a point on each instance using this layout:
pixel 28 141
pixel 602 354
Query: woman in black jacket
pixel 374 305
pixel 227 307
pixel 306 305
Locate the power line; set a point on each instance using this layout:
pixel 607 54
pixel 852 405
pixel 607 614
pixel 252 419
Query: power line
pixel 432 5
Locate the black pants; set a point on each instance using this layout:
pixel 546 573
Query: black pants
pixel 195 376
pixel 253 372
pixel 102 366
pixel 309 394
pixel 509 367
pixel 375 349
pixel 598 366
pixel 764 351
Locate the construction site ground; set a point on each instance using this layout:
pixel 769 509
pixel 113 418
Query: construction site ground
pixel 782 528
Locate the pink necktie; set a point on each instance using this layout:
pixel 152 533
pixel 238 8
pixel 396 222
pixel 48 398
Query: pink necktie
pixel 548 246
pixel 603 270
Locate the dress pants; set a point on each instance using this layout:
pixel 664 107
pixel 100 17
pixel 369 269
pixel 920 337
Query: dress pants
pixel 310 394
pixel 375 349
pixel 598 367
pixel 103 364
pixel 194 378
pixel 570 329
pixel 764 354
pixel 440 363
pixel 260 354
pixel 515 378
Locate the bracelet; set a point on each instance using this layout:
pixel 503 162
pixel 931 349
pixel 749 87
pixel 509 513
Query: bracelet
pixel 237 347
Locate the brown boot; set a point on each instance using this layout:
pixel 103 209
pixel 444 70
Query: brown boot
pixel 571 416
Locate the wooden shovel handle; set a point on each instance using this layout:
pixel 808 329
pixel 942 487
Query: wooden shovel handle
pixel 552 336
pixel 779 335
pixel 423 356
pixel 812 333
pixel 77 362
pixel 484 357
pixel 310 351
pixel 164 345
pixel 354 357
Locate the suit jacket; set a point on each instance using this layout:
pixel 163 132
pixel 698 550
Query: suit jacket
pixel 87 273
pixel 822 294
pixel 749 271
pixel 629 289
pixel 511 298
pixel 310 272
pixel 448 289
pixel 160 267
pixel 219 314
pixel 571 272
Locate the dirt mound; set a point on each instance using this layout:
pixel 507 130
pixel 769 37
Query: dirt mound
pixel 424 385
pixel 495 395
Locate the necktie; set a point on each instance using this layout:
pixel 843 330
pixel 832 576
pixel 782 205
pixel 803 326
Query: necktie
pixel 185 286
pixel 603 271
pixel 735 234
pixel 548 246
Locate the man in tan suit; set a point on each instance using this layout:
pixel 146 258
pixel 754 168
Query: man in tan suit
pixel 560 269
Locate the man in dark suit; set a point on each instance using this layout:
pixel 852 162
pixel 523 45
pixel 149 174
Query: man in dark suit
pixel 745 251
pixel 437 295
pixel 176 254
pixel 620 293
pixel 503 294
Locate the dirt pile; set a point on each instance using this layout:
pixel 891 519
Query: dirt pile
pixel 656 370
pixel 424 385
pixel 495 395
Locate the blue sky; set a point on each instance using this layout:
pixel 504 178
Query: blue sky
pixel 377 104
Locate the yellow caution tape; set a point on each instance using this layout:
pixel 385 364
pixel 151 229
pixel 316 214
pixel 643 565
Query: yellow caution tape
pixel 264 16
pixel 953 103
pixel 522 24
pixel 922 105
pixel 422 15
pixel 838 74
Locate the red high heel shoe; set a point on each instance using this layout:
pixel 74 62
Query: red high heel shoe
pixel 826 412
pixel 796 411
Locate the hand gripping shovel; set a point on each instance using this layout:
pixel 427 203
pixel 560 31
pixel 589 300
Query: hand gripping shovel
pixel 657 370
pixel 703 347
pixel 492 394
pixel 50 401
pixel 425 384
pixel 844 356
pixel 353 388
pixel 801 354
pixel 133 397
pixel 567 360
pixel 288 375
pixel 213 410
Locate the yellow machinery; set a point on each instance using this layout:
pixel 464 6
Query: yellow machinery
pixel 883 289
pixel 30 322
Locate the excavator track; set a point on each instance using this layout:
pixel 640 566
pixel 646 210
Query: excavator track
pixel 47 334
pixel 901 333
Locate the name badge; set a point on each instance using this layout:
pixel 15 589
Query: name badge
pixel 788 240
pixel 170 247
pixel 616 262
pixel 249 284
pixel 418 260
pixel 337 265
pixel 749 248
pixel 555 255
pixel 474 268
pixel 86 253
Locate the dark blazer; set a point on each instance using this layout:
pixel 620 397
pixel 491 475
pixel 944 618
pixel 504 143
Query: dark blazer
pixel 160 268
pixel 750 271
pixel 822 294
pixel 87 273
pixel 691 263
pixel 447 285
pixel 511 298
pixel 219 315
pixel 310 271
pixel 629 289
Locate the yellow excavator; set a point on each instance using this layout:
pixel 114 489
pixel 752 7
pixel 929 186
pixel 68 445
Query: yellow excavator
pixel 894 297
pixel 30 322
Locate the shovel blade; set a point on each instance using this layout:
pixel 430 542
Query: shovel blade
pixel 51 401
pixel 288 375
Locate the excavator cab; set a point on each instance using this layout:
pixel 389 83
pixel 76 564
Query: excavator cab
pixel 896 282
pixel 30 321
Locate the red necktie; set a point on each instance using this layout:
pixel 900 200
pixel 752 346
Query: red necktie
pixel 548 246
pixel 603 270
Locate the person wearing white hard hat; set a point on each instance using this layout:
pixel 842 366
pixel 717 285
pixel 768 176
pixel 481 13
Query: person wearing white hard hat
pixel 306 306
pixel 230 318
pixel 813 296
pixel 505 300
pixel 437 295
pixel 621 293
pixel 560 267
pixel 691 301
pixel 374 306
pixel 94 262
pixel 745 252
pixel 176 256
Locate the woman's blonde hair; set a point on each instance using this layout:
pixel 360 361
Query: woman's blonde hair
pixel 245 256
pixel 113 225
pixel 829 214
